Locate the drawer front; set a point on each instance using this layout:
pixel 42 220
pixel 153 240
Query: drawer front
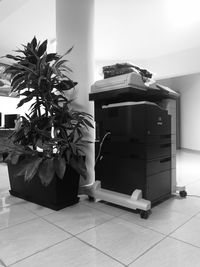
pixel 158 186
pixel 122 175
pixel 156 166
pixel 158 151
pixel 133 150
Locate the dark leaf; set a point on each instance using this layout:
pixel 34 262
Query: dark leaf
pixel 34 42
pixel 25 100
pixel 60 166
pixel 68 51
pixel 65 68
pixel 51 56
pixel 17 79
pixel 47 171
pixel 15 157
pixel 12 57
pixel 59 63
pixel 1 157
pixel 19 87
pixel 32 168
pixel 88 123
pixel 78 164
pixel 22 67
pixel 65 85
pixel 42 48
pixel 26 93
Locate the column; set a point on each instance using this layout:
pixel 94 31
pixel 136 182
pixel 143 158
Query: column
pixel 74 27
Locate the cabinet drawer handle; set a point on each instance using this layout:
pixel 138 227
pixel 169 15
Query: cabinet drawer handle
pixel 165 160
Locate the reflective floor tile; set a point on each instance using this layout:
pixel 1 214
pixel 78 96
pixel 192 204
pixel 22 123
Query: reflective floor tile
pixel 194 190
pixel 70 253
pixel 78 218
pixel 121 239
pixel 187 206
pixel 24 239
pixel 160 220
pixel 37 209
pixel 105 207
pixel 189 232
pixel 8 200
pixel 13 215
pixel 170 253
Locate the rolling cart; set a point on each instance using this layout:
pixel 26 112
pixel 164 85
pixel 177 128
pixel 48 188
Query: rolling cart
pixel 135 159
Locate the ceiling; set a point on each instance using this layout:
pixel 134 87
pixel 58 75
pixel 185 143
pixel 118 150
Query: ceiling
pixel 141 29
pixel 124 29
pixel 20 20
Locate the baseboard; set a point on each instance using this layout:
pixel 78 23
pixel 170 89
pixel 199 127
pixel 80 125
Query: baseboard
pixel 190 150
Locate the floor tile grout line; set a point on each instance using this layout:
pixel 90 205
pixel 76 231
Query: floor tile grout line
pixel 16 224
pixel 146 251
pixel 37 252
pixel 90 245
pixel 145 227
pixel 192 217
pixel 59 227
pixel 76 236
pixel 185 242
pixel 169 236
pixel 71 236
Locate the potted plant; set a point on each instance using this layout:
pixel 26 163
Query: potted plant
pixel 46 155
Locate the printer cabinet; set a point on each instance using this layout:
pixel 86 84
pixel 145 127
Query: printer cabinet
pixel 136 154
pixel 125 174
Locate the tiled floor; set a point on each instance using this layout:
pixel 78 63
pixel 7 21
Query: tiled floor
pixel 95 234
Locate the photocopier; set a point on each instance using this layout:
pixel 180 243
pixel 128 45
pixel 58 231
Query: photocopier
pixel 133 147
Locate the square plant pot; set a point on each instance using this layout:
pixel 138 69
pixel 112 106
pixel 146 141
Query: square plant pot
pixel 59 194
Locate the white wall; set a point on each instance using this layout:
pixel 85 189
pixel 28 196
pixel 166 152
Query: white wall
pixel 189 89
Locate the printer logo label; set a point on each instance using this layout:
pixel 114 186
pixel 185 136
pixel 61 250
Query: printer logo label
pixel 159 122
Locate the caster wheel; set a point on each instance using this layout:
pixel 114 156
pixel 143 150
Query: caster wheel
pixel 183 193
pixel 91 199
pixel 144 214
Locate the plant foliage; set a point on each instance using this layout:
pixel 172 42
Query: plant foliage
pixel 41 78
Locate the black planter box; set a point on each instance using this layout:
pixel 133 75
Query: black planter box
pixel 59 194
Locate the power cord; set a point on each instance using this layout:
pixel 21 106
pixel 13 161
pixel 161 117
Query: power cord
pixel 100 147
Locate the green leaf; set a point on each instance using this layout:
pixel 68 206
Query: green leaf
pixel 60 166
pixel 47 171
